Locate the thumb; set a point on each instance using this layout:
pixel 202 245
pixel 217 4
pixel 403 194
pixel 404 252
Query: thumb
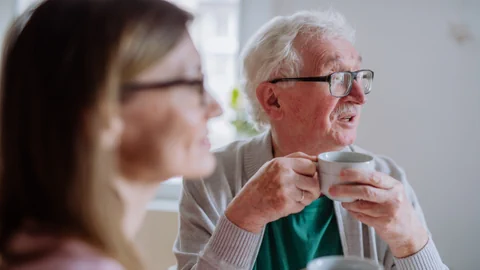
pixel 302 155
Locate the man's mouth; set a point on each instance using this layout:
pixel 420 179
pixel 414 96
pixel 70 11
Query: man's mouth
pixel 347 118
pixel 346 113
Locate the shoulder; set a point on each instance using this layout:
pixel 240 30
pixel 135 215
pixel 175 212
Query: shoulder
pixel 82 256
pixel 384 164
pixel 231 153
pixel 236 163
pixel 229 163
pixel 72 255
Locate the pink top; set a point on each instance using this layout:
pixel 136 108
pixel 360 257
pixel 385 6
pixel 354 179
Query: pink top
pixel 65 254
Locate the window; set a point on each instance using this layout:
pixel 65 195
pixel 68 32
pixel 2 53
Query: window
pixel 222 24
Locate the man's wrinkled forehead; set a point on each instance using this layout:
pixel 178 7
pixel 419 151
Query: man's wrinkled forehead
pixel 339 61
pixel 330 55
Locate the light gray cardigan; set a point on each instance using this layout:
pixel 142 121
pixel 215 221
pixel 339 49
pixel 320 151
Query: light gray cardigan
pixel 208 240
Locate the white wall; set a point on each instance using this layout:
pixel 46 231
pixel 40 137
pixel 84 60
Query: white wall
pixel 425 107
pixel 7 10
pixel 253 13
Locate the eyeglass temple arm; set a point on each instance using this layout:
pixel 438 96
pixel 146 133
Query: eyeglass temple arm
pixel 302 79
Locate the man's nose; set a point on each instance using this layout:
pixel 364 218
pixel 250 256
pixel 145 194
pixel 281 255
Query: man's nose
pixel 357 94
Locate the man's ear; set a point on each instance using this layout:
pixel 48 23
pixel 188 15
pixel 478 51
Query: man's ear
pixel 267 97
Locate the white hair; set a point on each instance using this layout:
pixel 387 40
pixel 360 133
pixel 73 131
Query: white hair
pixel 271 52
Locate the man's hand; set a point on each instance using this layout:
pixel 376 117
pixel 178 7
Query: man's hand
pixel 281 187
pixel 381 203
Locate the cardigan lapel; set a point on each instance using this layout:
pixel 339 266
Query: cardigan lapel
pixel 350 229
pixel 258 151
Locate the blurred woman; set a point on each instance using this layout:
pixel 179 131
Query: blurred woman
pixel 101 100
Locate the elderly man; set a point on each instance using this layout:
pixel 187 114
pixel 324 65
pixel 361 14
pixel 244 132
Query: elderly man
pixel 262 207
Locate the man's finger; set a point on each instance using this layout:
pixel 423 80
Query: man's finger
pixel 366 219
pixel 301 196
pixel 302 155
pixel 297 207
pixel 310 185
pixel 376 179
pixel 360 192
pixel 303 166
pixel 308 199
pixel 366 208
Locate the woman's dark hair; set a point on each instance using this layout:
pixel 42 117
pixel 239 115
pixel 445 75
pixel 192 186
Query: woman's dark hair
pixel 63 64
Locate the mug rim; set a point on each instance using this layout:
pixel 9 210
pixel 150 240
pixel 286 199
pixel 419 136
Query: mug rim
pixel 364 261
pixel 368 158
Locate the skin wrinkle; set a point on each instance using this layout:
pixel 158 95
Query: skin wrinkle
pixel 328 63
pixel 311 104
pixel 323 60
pixel 309 121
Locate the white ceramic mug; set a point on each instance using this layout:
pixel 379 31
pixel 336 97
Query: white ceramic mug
pixel 330 164
pixel 343 263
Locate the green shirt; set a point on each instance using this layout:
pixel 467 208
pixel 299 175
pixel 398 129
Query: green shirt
pixel 291 242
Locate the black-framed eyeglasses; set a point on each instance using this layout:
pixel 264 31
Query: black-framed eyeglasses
pixel 340 83
pixel 130 88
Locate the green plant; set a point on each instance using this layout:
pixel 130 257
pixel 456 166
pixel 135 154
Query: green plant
pixel 240 120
